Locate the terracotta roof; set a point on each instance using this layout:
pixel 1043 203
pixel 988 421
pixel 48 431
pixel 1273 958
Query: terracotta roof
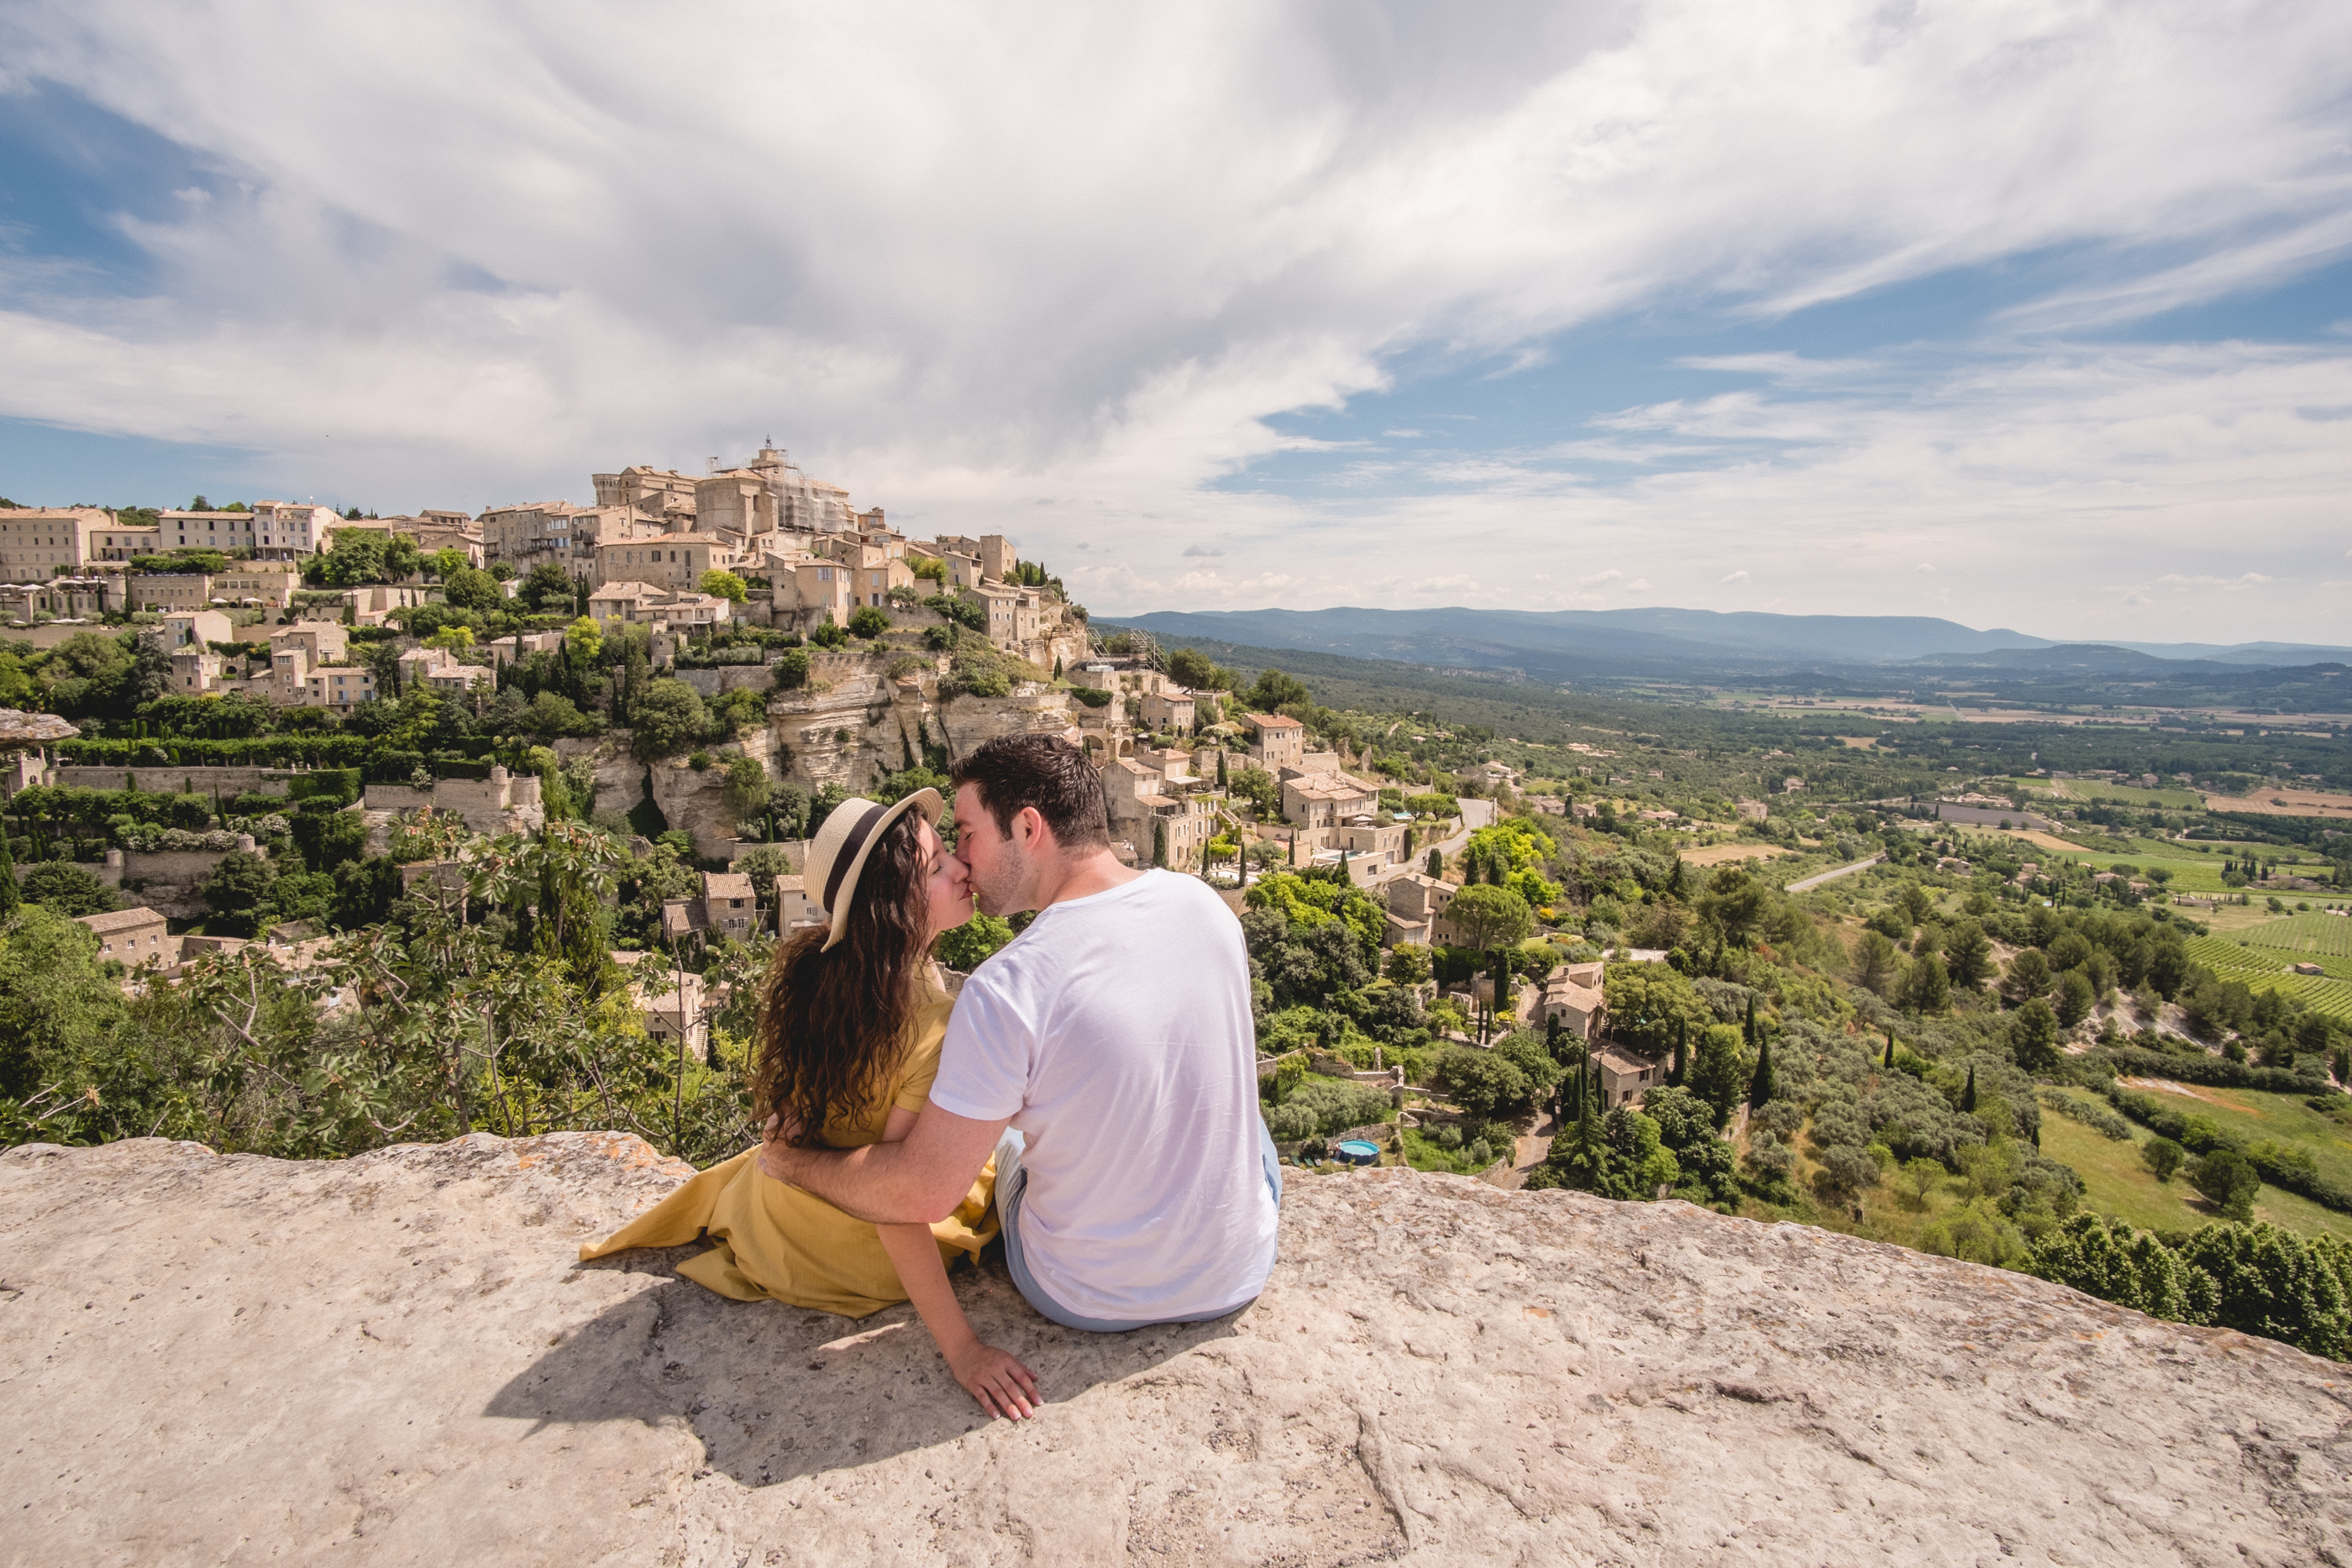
pixel 1271 721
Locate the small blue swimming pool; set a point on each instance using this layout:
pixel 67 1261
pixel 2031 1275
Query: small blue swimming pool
pixel 1356 1152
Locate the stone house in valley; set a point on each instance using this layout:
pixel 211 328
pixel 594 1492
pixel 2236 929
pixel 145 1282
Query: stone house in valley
pixel 133 937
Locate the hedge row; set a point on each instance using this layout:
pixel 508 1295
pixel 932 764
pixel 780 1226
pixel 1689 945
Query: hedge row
pixel 2214 1071
pixel 332 750
pixel 2281 1165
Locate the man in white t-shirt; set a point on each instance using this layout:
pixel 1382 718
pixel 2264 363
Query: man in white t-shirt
pixel 1106 1056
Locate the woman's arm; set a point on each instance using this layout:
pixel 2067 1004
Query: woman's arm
pixel 1001 1384
pixel 994 1377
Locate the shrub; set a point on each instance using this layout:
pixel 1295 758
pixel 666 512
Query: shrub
pixel 868 622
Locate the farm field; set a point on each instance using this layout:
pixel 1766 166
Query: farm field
pixel 2122 794
pixel 2252 1114
pixel 2115 1182
pixel 1720 854
pixel 2259 956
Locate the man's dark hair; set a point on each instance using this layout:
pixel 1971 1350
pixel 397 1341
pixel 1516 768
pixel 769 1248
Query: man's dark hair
pixel 1043 771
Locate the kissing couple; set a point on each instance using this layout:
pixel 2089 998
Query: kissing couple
pixel 1091 1095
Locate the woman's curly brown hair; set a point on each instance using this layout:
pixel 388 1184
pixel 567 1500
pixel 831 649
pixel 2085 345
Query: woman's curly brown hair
pixel 832 1025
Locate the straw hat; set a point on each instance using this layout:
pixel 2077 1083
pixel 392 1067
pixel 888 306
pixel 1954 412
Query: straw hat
pixel 836 857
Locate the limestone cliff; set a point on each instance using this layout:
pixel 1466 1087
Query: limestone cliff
pixel 395 1359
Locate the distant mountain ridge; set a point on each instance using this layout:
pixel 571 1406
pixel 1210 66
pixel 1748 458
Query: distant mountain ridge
pixel 1668 641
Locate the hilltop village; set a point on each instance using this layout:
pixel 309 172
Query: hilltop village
pixel 328 831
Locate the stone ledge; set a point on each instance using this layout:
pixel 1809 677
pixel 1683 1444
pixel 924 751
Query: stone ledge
pixel 393 1358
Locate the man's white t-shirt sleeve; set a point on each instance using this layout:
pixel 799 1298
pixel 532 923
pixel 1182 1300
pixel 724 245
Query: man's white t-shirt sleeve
pixel 985 1060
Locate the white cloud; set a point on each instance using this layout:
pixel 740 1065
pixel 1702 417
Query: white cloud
pixel 1736 578
pixel 458 254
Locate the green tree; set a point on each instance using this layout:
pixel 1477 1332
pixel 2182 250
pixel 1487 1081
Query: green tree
pixel 467 589
pixel 792 669
pixel 57 1011
pixel 2269 1282
pixel 1490 917
pixel 971 944
pixel 364 894
pixel 1483 1082
pixel 2033 1036
pixel 868 622
pixel 583 639
pixel 1408 964
pixel 1276 691
pixel 1929 987
pixel 745 793
pixel 1651 1006
pixel 2229 1180
pixel 1435 869
pixel 547 587
pixel 63 888
pixel 11 895
pixel 235 892
pixel 1719 1076
pixel 2029 976
pixel 721 583
pixel 448 562
pixel 1875 962
pixel 667 719
pixel 1760 1086
pixel 1969 951
pixel 2109 1259
pixel 2077 998
pixel 2162 1157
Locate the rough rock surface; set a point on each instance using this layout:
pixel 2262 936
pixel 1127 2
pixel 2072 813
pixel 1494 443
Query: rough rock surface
pixel 395 1359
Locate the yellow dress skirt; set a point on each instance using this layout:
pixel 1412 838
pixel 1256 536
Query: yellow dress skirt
pixel 776 1242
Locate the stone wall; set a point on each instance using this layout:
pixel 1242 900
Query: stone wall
pixel 169 780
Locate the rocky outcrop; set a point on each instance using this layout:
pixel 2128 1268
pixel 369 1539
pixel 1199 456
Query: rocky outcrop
pixel 395 1359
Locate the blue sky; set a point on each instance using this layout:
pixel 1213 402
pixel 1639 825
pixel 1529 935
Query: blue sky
pixel 2037 315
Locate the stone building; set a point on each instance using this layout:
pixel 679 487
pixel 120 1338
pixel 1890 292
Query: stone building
pixel 673 561
pixel 37 544
pixel 1416 909
pixel 1316 800
pixel 1275 742
pixel 190 627
pixel 646 604
pixel 663 496
pixel 133 937
pixel 114 546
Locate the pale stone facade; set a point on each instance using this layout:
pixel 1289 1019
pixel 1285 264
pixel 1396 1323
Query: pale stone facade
pixel 1274 741
pixel 37 544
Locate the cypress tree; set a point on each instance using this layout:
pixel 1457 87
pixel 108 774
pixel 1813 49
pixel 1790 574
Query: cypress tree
pixel 1682 1045
pixel 1889 1062
pixel 9 896
pixel 1223 782
pixel 1969 1094
pixel 1160 844
pixel 1759 1088
pixel 1747 1029
pixel 1436 863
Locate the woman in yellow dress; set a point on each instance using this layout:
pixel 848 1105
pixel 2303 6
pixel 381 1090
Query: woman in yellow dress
pixel 850 1028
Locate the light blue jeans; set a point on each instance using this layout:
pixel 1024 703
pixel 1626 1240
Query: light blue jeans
pixel 1012 1185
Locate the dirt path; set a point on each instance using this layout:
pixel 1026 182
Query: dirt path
pixel 1811 882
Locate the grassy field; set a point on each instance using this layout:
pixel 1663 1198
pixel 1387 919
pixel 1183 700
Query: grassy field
pixel 2251 1113
pixel 2115 1182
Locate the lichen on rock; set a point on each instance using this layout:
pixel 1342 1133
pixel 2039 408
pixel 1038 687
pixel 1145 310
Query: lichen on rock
pixel 393 1358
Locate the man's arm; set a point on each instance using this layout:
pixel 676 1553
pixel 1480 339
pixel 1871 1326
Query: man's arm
pixel 915 1181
